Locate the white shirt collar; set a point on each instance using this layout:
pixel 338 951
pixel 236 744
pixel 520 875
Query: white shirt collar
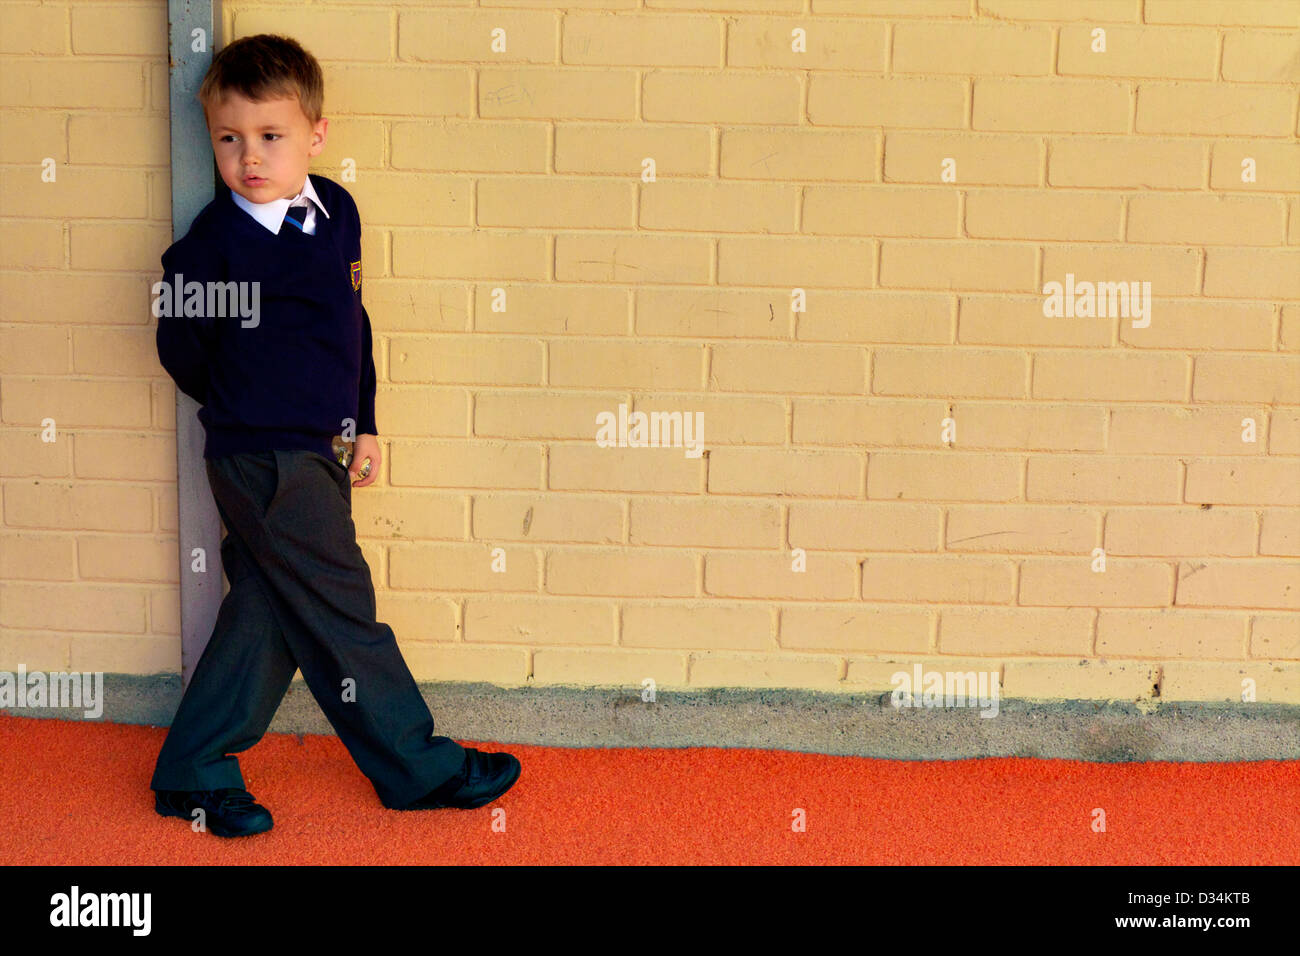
pixel 271 214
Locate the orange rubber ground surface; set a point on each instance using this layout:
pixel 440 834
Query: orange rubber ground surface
pixel 78 793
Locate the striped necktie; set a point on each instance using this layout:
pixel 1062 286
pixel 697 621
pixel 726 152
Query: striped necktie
pixel 297 215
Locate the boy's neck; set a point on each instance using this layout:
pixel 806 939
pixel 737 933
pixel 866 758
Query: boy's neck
pixel 301 186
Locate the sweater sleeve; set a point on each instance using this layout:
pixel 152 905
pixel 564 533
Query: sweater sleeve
pixel 366 401
pixel 185 342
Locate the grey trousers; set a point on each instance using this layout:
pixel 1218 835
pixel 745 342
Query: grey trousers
pixel 301 597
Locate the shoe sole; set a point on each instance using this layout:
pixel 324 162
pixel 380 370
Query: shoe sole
pixel 217 829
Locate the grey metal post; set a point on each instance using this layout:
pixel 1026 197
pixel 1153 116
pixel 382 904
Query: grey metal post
pixel 193 184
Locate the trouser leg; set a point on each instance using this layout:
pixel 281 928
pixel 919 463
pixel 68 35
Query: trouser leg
pixel 240 678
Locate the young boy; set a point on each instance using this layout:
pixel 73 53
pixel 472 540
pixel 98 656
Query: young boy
pixel 277 383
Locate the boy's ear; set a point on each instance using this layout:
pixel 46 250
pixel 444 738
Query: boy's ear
pixel 319 136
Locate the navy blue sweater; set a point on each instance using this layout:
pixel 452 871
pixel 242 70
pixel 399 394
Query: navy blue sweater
pixel 290 380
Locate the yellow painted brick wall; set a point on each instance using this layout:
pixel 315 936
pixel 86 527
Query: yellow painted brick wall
pixel 918 170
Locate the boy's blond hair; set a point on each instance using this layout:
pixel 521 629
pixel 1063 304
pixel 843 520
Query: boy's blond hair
pixel 265 67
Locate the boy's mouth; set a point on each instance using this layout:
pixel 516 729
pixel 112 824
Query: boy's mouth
pixel 254 181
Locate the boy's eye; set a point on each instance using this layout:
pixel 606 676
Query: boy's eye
pixel 231 136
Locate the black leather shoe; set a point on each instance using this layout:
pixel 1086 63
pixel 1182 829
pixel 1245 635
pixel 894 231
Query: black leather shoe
pixel 483 778
pixel 228 812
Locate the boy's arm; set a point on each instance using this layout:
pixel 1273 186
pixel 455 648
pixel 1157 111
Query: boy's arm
pixel 366 394
pixel 366 401
pixel 185 342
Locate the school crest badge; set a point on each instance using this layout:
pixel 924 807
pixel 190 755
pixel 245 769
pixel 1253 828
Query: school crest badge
pixel 356 275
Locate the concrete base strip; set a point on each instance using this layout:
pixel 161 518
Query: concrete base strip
pixel 804 721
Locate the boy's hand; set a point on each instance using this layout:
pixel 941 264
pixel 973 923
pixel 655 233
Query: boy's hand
pixel 366 446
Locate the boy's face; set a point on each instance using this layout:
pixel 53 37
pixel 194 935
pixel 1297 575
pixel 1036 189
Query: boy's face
pixel 262 149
